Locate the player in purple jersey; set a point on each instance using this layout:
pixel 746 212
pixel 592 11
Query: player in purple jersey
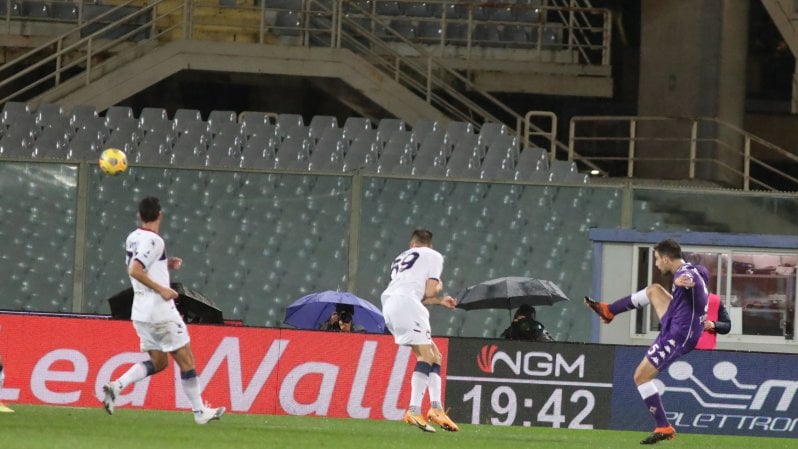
pixel 681 313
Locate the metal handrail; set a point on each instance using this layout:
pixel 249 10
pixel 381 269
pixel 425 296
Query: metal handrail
pixel 71 42
pixel 631 139
pixel 426 74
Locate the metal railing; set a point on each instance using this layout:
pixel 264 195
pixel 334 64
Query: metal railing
pixel 81 51
pixel 618 145
pixel 336 24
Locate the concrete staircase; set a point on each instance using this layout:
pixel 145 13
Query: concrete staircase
pixel 131 73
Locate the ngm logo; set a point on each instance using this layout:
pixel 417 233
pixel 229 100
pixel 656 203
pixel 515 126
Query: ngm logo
pixel 532 363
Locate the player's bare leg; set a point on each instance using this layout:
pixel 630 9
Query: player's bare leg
pixel 191 386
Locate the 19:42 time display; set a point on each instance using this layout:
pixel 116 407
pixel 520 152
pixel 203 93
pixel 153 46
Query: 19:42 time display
pixel 547 406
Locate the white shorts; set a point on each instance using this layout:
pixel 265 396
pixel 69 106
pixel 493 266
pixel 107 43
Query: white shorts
pixel 165 336
pixel 407 319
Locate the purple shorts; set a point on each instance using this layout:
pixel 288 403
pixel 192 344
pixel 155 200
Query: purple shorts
pixel 666 349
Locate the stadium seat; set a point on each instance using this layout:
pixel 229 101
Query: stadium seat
pixel 354 126
pixel 116 114
pixel 491 131
pixel 48 113
pixel 456 130
pixel 287 23
pixel 397 156
pixel 560 171
pixel 258 129
pixel 516 36
pixel 183 117
pixel 486 34
pixel 80 114
pixel 218 120
pixel 14 108
pixel 287 122
pixel 416 9
pixel 85 146
pixel 320 123
pixel 249 118
pixel 387 8
pixel 465 160
pixel 328 154
pixel 498 167
pixel 429 32
pixel 387 127
pixel 260 152
pixel 457 33
pixel 528 11
pixel 294 153
pixel 363 153
pixel 422 127
pixel 150 116
pixel 294 5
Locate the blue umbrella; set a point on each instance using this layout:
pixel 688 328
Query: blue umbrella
pixel 309 311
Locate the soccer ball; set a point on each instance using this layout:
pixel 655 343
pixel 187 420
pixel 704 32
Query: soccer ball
pixel 113 161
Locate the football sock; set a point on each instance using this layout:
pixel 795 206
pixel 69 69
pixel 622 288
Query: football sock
pixel 652 399
pixel 418 385
pixel 434 386
pixel 2 376
pixel 136 372
pixel 191 387
pixel 640 299
pixel 622 305
pixel 636 300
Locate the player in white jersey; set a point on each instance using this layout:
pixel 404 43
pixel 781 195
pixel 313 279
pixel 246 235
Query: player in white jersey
pixel 415 283
pixel 158 324
pixel 3 408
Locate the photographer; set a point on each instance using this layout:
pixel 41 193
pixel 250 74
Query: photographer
pixel 525 327
pixel 341 320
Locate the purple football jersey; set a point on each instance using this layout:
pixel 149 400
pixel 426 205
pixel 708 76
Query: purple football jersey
pixel 683 322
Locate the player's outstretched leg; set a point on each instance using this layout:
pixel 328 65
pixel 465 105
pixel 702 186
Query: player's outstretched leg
pixel 601 309
pixel 110 391
pixel 418 421
pixel 439 417
pixel 208 414
pixel 660 434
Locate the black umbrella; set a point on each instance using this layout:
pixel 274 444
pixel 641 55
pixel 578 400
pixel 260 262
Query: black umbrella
pixel 509 293
pixel 193 305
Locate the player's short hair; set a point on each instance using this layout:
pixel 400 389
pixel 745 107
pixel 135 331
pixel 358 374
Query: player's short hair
pixel 669 248
pixel 422 236
pixel 149 208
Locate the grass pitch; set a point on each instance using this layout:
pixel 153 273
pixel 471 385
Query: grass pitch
pixel 35 427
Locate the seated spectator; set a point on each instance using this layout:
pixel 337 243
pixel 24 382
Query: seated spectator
pixel 525 327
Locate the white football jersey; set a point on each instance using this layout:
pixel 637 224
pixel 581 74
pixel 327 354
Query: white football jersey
pixel 410 271
pixel 149 248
